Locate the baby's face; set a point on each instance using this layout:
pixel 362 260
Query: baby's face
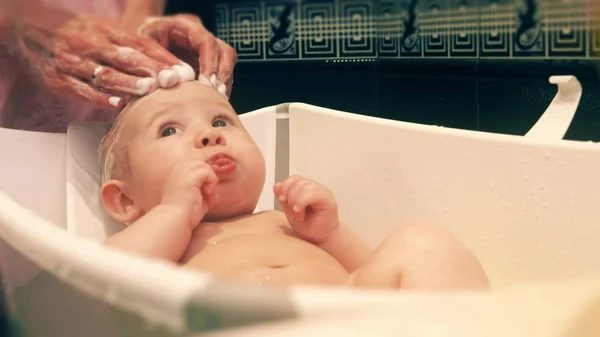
pixel 190 122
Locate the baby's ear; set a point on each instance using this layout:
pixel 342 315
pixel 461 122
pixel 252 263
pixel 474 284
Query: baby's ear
pixel 120 206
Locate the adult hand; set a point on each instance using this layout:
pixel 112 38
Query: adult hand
pixel 89 58
pixel 186 37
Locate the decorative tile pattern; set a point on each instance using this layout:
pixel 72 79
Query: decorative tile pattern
pixel 319 31
pixel 364 29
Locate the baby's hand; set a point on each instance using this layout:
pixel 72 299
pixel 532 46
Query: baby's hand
pixel 310 208
pixel 191 186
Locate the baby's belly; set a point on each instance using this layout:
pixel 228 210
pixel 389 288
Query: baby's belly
pixel 269 259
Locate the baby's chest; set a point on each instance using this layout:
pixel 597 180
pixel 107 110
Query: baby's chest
pixel 259 224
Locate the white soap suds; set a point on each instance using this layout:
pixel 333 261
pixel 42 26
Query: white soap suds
pixel 114 101
pixel 186 72
pixel 168 78
pixel 202 79
pixel 222 89
pixel 145 85
pixel 125 51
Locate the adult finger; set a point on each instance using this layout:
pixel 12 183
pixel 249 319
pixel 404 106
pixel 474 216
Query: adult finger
pixel 155 51
pixel 147 46
pixel 77 88
pixel 129 60
pixel 227 61
pixel 105 77
pixel 191 35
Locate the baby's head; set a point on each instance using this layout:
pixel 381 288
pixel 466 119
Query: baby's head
pixel 156 132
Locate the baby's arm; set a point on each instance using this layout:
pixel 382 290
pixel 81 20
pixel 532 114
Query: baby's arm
pixel 346 247
pixel 311 209
pixel 164 232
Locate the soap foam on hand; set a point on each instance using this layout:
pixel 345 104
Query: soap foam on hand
pixel 213 82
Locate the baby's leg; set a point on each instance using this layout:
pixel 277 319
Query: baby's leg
pixel 421 257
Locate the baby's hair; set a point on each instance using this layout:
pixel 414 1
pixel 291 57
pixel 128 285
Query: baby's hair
pixel 112 155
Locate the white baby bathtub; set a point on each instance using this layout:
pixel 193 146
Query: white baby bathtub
pixel 524 205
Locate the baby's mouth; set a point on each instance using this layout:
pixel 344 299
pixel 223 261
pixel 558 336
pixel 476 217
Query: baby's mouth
pixel 222 164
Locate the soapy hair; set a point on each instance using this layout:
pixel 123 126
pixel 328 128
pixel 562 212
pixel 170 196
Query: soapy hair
pixel 112 154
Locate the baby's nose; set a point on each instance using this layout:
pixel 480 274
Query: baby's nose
pixel 210 139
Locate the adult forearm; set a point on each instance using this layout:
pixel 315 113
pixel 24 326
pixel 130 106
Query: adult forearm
pixel 33 13
pixel 135 11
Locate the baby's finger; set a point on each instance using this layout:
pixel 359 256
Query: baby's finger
pixel 277 188
pixel 208 180
pixel 306 199
pixel 285 187
pixel 296 191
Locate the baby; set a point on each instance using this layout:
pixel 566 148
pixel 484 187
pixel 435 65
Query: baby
pixel 180 169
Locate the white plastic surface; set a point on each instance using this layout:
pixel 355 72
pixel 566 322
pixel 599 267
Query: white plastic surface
pixel 565 309
pixel 124 280
pixel 32 171
pixel 555 122
pixel 527 208
pixel 86 216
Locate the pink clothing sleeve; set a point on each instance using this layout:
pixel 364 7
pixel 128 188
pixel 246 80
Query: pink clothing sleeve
pixel 24 101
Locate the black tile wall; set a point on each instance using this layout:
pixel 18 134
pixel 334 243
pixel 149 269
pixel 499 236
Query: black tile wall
pixel 450 102
pixel 513 105
pixel 586 123
pixel 471 64
pixel 349 87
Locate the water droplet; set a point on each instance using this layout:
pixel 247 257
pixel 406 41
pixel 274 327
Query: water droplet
pixel 502 236
pixel 546 152
pixel 214 242
pixel 526 177
pixel 537 214
pixel 540 247
pixel 561 255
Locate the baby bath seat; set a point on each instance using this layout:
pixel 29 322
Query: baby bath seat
pixel 524 205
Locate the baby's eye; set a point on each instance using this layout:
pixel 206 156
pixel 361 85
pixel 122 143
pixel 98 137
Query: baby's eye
pixel 168 131
pixel 219 123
